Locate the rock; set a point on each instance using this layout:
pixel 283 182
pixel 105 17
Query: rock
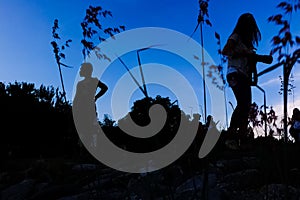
pixel 19 191
pixel 57 191
pixel 81 196
pixel 216 194
pixel 251 162
pixel 229 166
pixel 112 194
pixel 85 167
pixel 41 186
pixel 196 182
pixel 149 186
pixel 243 179
pixel 190 184
pixel 294 176
pixel 277 191
pixel 11 178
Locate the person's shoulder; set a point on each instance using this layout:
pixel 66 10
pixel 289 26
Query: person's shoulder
pixel 94 79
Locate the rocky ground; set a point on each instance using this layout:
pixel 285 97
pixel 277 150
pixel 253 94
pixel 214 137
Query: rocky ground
pixel 260 172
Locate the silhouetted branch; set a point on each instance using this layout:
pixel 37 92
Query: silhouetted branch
pixel 92 28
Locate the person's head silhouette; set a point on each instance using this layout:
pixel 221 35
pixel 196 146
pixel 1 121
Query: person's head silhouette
pixel 296 114
pixel 86 70
pixel 248 30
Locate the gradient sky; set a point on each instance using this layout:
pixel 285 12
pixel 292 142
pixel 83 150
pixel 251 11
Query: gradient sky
pixel 26 53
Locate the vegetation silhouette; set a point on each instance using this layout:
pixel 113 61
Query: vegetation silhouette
pixel 284 45
pixel 139 114
pixel 94 31
pixel 39 124
pixel 92 28
pixel 35 122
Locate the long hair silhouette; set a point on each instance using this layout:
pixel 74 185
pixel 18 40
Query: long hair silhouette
pixel 248 30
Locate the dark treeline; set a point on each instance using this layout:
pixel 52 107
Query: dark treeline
pixel 37 126
pixel 35 121
pixel 140 115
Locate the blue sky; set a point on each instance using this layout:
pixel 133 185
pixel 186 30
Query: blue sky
pixel 26 54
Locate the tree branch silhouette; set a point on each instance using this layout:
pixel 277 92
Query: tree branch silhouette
pixel 283 44
pixel 93 31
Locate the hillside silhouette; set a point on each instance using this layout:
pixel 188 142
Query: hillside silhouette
pixel 40 148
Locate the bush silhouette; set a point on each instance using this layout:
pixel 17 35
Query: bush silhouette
pixel 35 121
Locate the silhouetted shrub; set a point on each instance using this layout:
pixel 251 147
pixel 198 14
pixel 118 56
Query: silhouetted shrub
pixel 35 121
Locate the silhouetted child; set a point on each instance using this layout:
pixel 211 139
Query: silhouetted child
pixel 84 108
pixel 295 126
pixel 239 48
pixel 208 120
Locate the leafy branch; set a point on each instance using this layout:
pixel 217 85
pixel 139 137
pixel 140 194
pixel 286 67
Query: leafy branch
pixel 291 86
pixel 92 29
pixel 284 40
pixel 258 118
pixel 203 12
pixel 282 44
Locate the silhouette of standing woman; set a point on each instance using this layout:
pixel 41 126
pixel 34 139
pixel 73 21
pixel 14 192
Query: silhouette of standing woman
pixel 239 49
pixel 84 108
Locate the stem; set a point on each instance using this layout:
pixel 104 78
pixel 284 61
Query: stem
pixel 226 110
pixel 265 110
pixel 62 83
pixel 285 99
pixel 223 79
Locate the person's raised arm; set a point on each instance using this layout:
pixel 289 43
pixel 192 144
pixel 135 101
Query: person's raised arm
pixel 103 89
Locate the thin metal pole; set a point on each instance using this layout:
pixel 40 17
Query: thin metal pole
pixel 142 74
pixel 203 70
pixel 134 79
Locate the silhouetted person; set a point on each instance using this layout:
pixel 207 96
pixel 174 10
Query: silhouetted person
pixel 84 108
pixel 208 120
pixel 295 125
pixel 240 47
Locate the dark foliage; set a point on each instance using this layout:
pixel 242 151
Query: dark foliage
pixel 94 31
pixel 140 115
pixel 35 122
pixel 283 43
pixel 203 12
